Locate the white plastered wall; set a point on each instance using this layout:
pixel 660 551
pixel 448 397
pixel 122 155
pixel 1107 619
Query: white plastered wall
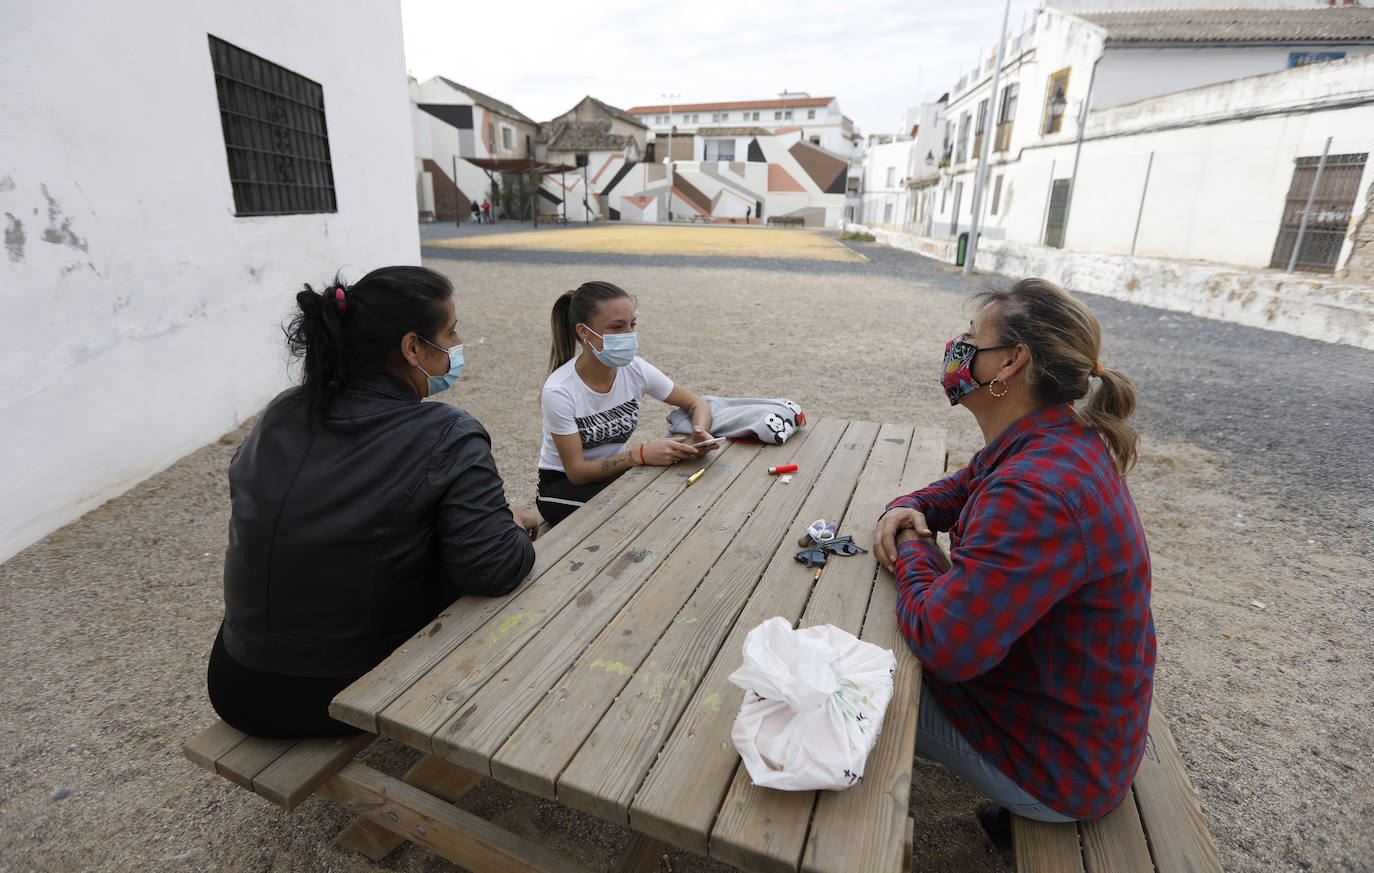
pixel 142 317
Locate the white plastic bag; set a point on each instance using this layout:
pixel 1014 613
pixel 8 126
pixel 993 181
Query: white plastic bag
pixel 813 705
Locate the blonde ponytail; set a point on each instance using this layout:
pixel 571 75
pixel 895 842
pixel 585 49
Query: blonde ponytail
pixel 1064 340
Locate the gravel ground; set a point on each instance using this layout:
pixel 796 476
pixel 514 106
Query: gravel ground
pixel 1254 482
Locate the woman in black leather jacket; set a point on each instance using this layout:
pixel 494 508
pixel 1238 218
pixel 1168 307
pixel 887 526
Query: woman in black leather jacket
pixel 358 512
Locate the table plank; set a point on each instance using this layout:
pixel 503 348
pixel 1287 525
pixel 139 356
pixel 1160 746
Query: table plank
pixel 606 772
pixel 856 829
pixel 679 799
pixel 495 711
pixel 441 693
pixel 765 828
pixel 540 749
pixel 360 703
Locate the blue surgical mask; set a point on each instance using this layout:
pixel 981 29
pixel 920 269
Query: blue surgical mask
pixel 617 349
pixel 455 368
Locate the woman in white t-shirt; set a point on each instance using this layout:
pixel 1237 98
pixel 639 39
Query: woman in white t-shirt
pixel 591 401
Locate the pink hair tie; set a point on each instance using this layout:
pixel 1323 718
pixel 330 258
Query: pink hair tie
pixel 339 300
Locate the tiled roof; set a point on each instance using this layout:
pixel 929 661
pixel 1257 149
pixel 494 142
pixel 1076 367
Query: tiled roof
pixel 490 102
pixel 789 103
pixel 581 136
pixel 1336 24
pixel 617 112
pixel 733 131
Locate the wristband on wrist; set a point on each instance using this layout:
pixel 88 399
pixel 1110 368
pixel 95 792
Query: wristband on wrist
pixel 641 454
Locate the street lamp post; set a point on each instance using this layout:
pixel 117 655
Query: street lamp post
pixel 670 153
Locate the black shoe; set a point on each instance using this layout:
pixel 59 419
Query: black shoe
pixel 996 822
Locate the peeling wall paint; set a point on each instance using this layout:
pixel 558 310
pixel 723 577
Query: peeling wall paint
pixel 142 317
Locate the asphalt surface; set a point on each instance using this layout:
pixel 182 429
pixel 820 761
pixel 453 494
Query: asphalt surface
pixel 1292 417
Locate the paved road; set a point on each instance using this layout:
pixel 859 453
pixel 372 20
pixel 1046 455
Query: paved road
pixel 1294 417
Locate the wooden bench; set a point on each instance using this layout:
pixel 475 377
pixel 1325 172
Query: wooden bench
pixel 550 218
pixel 1159 827
pixel 786 220
pixel 417 807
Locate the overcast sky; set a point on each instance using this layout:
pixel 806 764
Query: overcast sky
pixel 876 56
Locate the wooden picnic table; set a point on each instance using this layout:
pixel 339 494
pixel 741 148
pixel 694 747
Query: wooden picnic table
pixel 602 681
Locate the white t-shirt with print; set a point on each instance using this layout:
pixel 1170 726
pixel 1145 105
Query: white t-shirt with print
pixel 604 421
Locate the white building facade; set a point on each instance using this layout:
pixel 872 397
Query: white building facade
pixel 819 120
pixel 1204 173
pixel 153 255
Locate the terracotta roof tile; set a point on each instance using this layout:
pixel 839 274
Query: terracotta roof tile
pixel 789 103
pixel 1336 24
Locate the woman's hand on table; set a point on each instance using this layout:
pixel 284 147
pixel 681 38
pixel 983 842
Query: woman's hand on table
pixel 701 435
pixel 661 453
pixel 527 519
pixel 898 526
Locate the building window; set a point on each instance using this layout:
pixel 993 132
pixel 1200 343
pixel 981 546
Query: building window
pixel 891 176
pixel 1055 102
pixel 1006 114
pixel 996 193
pixel 507 138
pixel 275 135
pixel 491 134
pixel 1302 59
pixel 815 139
pixel 695 118
pixel 756 117
pixel 787 114
pixel 961 144
pixel 1328 222
pixel 887 213
pixel 810 113
pixel 719 150
pixel 580 160
pixel 777 116
pixel 979 124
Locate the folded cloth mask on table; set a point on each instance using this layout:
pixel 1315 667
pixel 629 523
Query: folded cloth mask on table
pixel 814 701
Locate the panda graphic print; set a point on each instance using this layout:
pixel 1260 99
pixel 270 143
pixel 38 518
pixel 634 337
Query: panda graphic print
pixel 603 422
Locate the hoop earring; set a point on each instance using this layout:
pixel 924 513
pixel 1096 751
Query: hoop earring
pixel 1005 388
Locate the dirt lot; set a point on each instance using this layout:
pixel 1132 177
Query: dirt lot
pixel 107 623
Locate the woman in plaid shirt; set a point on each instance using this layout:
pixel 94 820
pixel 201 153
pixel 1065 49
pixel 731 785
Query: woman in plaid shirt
pixel 1035 634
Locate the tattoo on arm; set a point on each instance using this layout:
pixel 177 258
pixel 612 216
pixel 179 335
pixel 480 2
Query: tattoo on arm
pixel 612 463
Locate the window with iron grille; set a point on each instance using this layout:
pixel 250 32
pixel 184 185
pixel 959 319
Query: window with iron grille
pixel 275 135
pixel 1328 219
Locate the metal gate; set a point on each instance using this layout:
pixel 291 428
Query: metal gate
pixel 1059 203
pixel 1329 219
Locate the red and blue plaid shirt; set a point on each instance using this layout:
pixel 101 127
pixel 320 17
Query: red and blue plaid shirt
pixel 1038 640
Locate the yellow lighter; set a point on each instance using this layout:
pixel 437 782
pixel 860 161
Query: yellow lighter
pixel 695 476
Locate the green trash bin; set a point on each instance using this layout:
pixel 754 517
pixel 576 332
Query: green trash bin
pixel 963 249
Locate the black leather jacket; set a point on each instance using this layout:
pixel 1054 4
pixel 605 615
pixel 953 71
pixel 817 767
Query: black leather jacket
pixel 347 538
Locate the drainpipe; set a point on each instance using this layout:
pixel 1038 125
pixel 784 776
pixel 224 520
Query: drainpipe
pixel 1078 148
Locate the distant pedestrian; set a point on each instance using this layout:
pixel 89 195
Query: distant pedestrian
pixel 476 213
pixel 748 211
pixel 486 211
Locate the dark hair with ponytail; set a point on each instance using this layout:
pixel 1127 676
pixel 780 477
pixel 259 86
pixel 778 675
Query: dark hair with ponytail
pixel 1065 341
pixel 347 331
pixel 573 308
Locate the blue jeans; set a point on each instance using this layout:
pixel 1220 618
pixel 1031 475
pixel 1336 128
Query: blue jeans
pixel 937 739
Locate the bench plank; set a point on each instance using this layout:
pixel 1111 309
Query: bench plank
pixel 211 744
pixel 1173 820
pixel 1116 844
pixel 295 775
pixel 244 762
pixel 461 837
pixel 1045 847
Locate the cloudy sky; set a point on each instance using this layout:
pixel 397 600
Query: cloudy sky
pixel 876 56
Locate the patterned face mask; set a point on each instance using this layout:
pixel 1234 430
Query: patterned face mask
pixel 957 376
